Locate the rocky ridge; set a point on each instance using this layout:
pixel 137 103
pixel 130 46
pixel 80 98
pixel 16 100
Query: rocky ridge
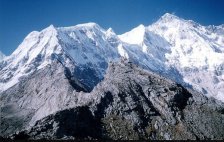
pixel 132 103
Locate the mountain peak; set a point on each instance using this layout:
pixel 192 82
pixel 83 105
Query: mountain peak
pixel 169 20
pixel 168 15
pixel 110 32
pixel 50 28
pixel 135 36
pixel 89 25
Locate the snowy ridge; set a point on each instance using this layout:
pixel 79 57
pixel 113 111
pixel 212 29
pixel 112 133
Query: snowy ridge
pixel 179 49
pixel 32 54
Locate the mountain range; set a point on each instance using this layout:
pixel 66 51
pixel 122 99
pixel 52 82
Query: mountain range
pixel 166 78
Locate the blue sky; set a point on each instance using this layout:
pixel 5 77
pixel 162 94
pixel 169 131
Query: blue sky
pixel 20 17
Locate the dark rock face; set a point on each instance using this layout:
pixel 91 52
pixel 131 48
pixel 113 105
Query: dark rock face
pixel 132 104
pixel 88 76
pixel 78 123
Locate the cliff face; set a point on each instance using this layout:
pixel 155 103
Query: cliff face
pixel 130 103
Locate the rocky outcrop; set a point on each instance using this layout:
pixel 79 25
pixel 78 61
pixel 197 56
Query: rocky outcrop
pixel 132 103
pixel 44 92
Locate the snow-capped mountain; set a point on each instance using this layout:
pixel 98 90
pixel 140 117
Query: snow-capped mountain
pixel 196 51
pixel 82 46
pixel 2 56
pixel 63 69
pixel 84 49
pixel 179 49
